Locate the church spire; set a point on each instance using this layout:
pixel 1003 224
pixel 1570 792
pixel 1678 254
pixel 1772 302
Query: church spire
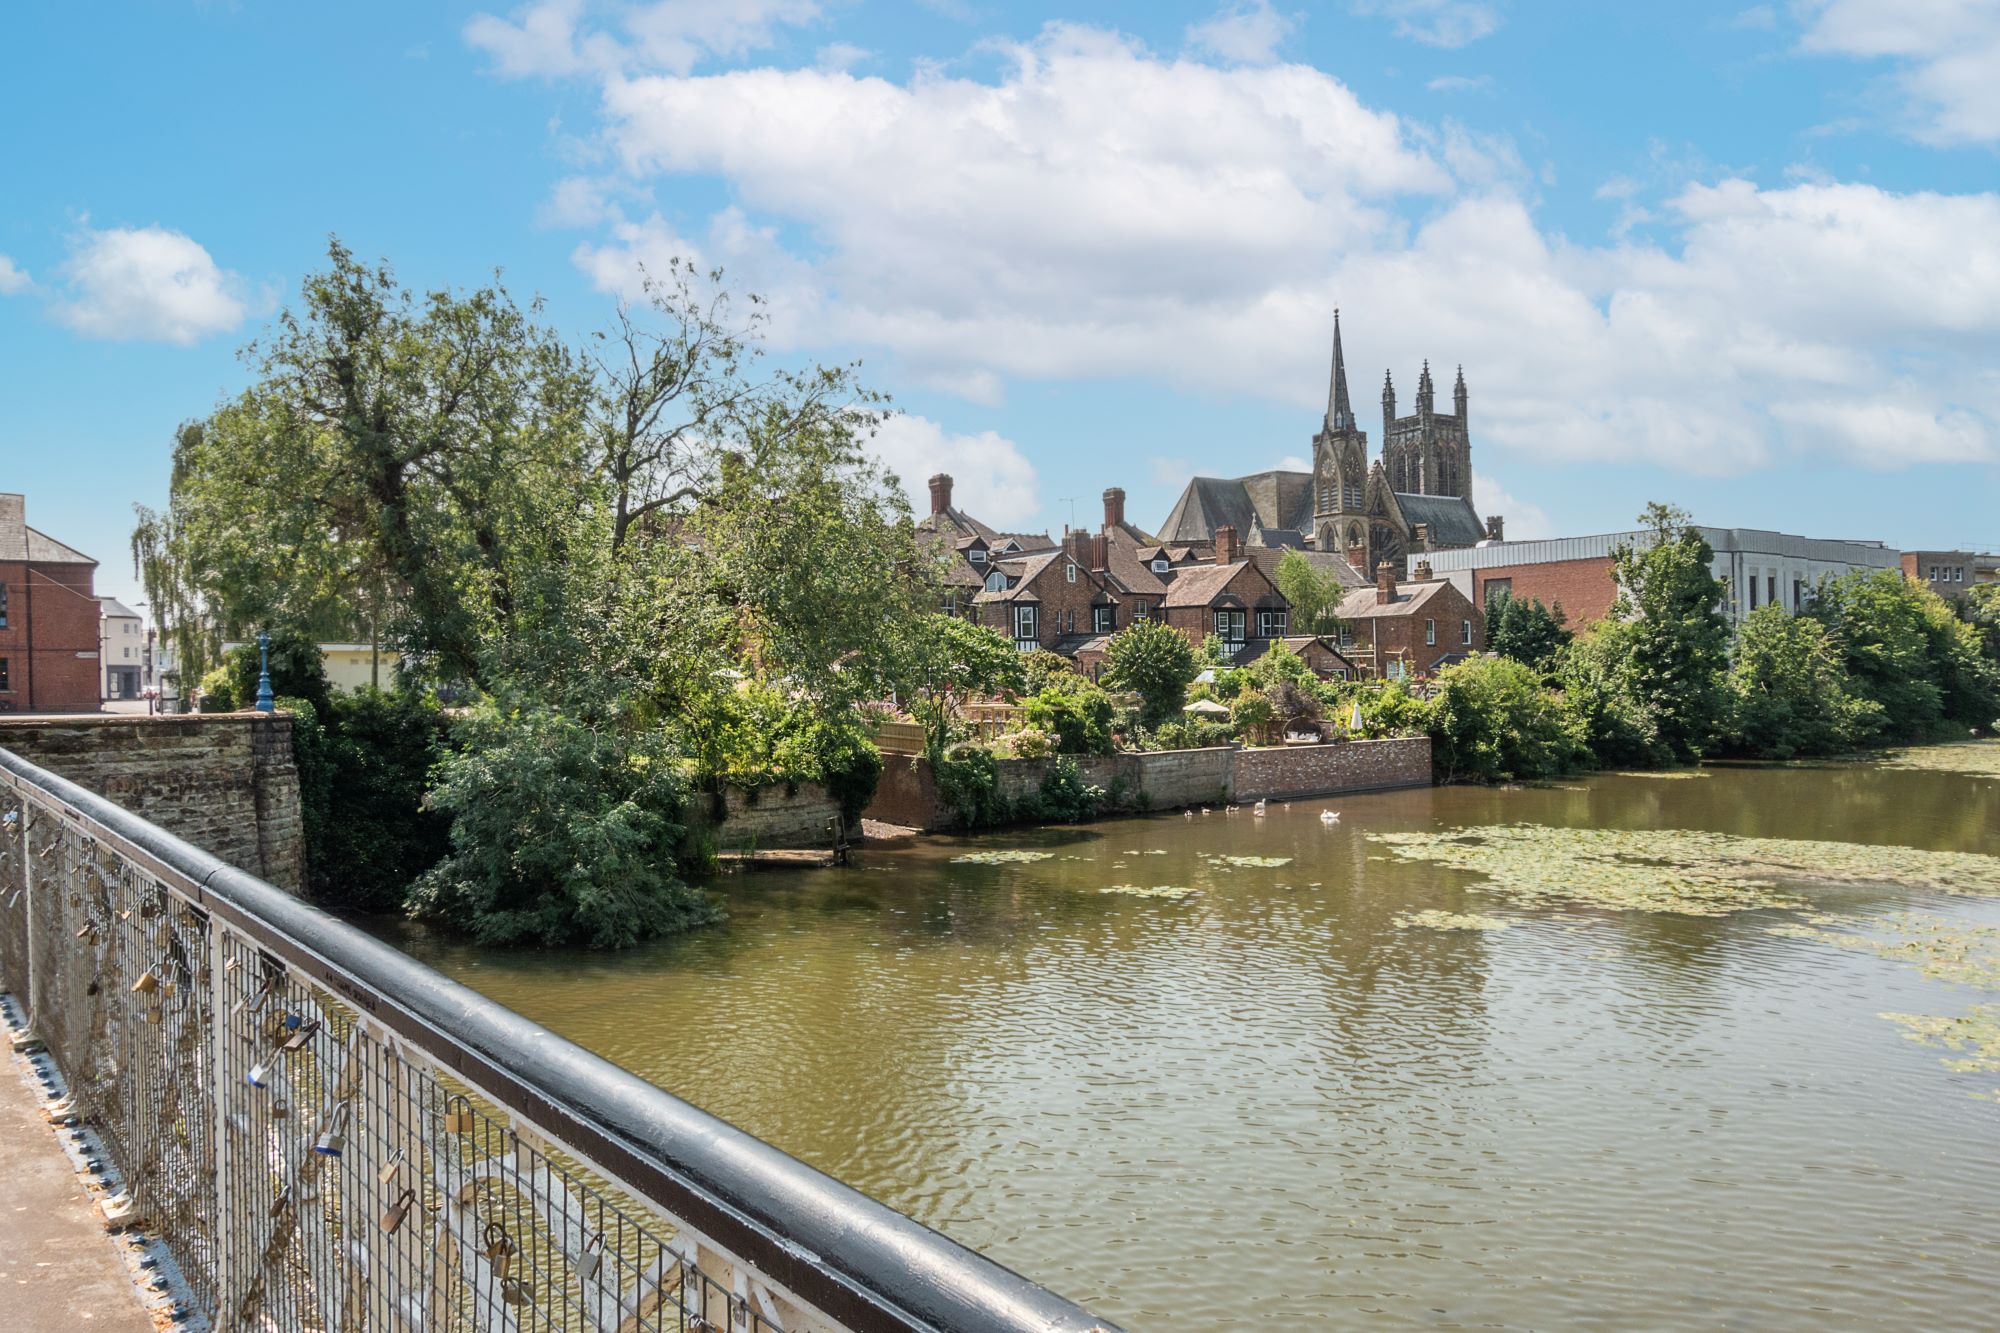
pixel 1339 413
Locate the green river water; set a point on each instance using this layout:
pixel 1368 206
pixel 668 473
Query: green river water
pixel 1278 1103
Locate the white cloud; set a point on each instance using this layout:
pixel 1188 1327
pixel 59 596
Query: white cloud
pixel 1460 83
pixel 1170 473
pixel 1247 32
pixel 1097 210
pixel 12 279
pixel 990 478
pixel 1525 522
pixel 150 283
pixel 552 38
pixel 842 56
pixel 1948 52
pixel 1446 23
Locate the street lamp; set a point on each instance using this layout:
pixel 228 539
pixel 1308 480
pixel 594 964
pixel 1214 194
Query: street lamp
pixel 266 703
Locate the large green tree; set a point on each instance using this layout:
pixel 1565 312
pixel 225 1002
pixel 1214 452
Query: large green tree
pixel 1676 639
pixel 948 660
pixel 1907 651
pixel 1792 692
pixel 1525 630
pixel 1154 661
pixel 1314 595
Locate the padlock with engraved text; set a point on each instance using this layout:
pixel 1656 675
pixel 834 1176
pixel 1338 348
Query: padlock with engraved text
pixel 398 1210
pixel 457 1115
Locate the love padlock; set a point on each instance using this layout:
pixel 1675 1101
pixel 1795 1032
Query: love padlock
pixel 298 1039
pixel 332 1139
pixel 398 1210
pixel 457 1120
pixel 593 1255
pixel 514 1291
pixel 390 1168
pixel 147 983
pixel 499 1249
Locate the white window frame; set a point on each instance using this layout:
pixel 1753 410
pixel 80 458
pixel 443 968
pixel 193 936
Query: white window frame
pixel 1227 618
pixel 1069 571
pixel 1271 624
pixel 1430 633
pixel 1161 565
pixel 977 555
pixel 1103 619
pixel 1027 624
pixel 1465 631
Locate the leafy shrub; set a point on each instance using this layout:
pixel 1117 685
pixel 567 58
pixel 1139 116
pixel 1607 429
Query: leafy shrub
pixel 1792 694
pixel 561 833
pixel 378 835
pixel 218 691
pixel 968 785
pixel 298 670
pixel 1152 659
pixel 1492 720
pixel 1525 630
pixel 1032 743
pixel 1078 715
pixel 1063 796
pixel 1186 732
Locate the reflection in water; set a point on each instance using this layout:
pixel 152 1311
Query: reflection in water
pixel 1271 1106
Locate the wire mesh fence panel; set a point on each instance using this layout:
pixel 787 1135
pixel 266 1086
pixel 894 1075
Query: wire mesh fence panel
pixel 331 1137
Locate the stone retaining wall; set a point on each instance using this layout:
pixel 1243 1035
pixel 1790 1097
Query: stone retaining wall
pixel 226 782
pixel 1170 779
pixel 769 817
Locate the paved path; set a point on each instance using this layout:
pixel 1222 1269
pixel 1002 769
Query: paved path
pixel 58 1268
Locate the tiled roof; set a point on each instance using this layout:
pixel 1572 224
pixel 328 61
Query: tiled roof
pixel 1130 563
pixel 1199 585
pixel 1020 573
pixel 1410 598
pixel 1274 499
pixel 1326 562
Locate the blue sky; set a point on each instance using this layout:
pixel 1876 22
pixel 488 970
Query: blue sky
pixel 1742 257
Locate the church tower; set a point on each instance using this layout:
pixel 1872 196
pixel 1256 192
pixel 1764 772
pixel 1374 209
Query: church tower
pixel 1430 452
pixel 1340 465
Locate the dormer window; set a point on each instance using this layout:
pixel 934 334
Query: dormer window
pixel 996 582
pixel 1161 565
pixel 977 555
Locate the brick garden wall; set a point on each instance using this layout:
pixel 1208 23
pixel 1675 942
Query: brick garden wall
pixel 225 782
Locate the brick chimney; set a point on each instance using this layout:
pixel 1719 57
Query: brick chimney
pixel 1114 506
pixel 1496 528
pixel 1385 584
pixel 1424 574
pixel 1100 551
pixel 1078 542
pixel 940 492
pixel 1422 539
pixel 1225 545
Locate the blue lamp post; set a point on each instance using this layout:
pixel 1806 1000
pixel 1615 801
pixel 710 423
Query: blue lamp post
pixel 266 703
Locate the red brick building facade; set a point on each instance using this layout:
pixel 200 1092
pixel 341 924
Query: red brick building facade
pixel 48 620
pixel 1584 589
pixel 1409 629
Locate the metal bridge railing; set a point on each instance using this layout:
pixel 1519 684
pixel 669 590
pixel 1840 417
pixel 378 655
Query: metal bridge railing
pixel 330 1135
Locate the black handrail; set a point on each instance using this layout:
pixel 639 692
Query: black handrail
pixel 860 1261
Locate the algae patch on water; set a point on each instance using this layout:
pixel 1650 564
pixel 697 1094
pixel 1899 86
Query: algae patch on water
pixel 1964 953
pixel 1011 857
pixel 1433 919
pixel 1678 870
pixel 1173 893
pixel 1976 1031
pixel 1981 758
pixel 1258 862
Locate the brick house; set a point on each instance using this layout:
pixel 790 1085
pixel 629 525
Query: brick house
pixel 1232 599
pixel 1053 600
pixel 970 548
pixel 1946 573
pixel 1409 629
pixel 49 613
pixel 1321 654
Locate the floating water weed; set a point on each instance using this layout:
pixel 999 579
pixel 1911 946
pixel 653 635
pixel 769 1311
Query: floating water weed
pixel 1171 892
pixel 1259 862
pixel 1433 919
pixel 1966 954
pixel 1978 757
pixel 1662 773
pixel 1679 870
pixel 1001 858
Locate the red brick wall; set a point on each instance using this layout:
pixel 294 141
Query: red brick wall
pixel 1250 587
pixel 1584 587
pixel 64 611
pixel 1063 604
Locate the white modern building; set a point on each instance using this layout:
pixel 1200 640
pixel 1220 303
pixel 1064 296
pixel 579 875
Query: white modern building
pixel 121 650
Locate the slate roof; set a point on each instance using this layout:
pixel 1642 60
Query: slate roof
pixel 18 541
pixel 1129 562
pixel 1451 518
pixel 115 609
pixel 1267 558
pixel 1410 598
pixel 1200 585
pixel 1275 499
pixel 1069 645
pixel 1020 573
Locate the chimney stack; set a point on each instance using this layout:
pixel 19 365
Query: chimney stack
pixel 1496 528
pixel 1385 584
pixel 1114 506
pixel 1078 542
pixel 1225 545
pixel 1424 574
pixel 1421 537
pixel 940 492
pixel 1100 553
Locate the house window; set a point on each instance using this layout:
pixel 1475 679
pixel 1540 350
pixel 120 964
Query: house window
pixel 1346 636
pixel 1798 594
pixel 976 556
pixel 3 606
pixel 1771 589
pixel 1430 633
pixel 1027 627
pixel 1142 611
pixel 996 582
pixel 1229 626
pixel 1465 632
pixel 1069 572
pixel 3 675
pixel 1103 619
pixel 1270 624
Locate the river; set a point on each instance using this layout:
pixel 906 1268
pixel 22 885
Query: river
pixel 1280 1103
